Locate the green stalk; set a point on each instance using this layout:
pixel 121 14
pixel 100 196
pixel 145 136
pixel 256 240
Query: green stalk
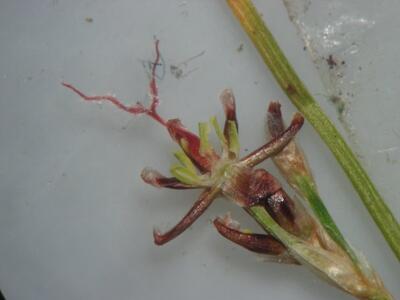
pixel 321 212
pixel 314 258
pixel 289 81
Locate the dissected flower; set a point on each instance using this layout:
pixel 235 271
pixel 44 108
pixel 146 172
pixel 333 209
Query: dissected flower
pixel 294 235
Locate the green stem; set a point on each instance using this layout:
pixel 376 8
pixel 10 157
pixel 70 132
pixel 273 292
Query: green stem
pixel 287 78
pixel 312 258
pixel 321 212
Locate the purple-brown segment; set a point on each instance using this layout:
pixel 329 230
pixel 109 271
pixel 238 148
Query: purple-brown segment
pixel 291 161
pixel 261 186
pixel 275 145
pixel 204 201
pixel 263 189
pixel 274 119
pixel 282 209
pixel 228 102
pixel 260 243
pixel 248 187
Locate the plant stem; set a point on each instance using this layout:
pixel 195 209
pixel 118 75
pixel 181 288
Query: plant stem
pixel 321 212
pixel 287 78
pixel 267 223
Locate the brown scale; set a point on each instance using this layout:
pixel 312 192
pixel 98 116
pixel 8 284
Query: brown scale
pixel 265 190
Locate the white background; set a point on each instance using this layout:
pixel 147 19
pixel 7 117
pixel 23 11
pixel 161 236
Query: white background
pixel 75 218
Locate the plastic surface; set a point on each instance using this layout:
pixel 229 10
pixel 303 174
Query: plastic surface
pixel 75 218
